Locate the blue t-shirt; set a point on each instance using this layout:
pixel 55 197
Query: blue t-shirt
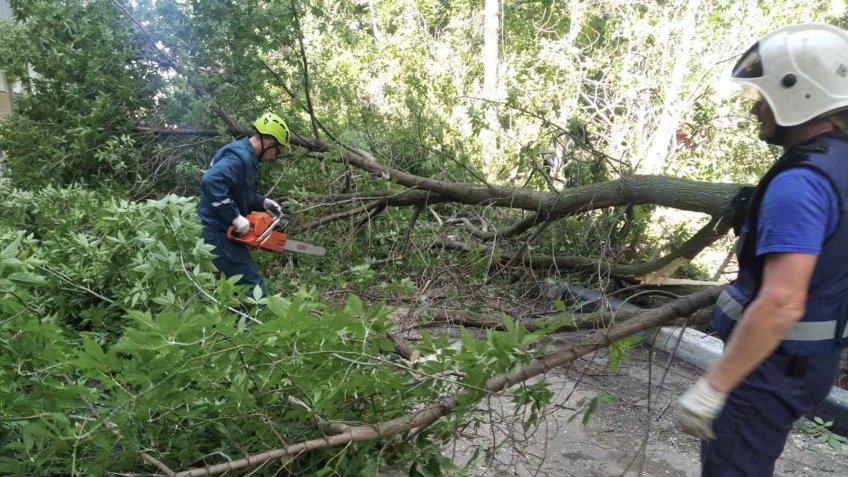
pixel 799 210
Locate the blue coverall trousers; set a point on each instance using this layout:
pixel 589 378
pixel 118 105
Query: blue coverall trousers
pixel 755 422
pixel 232 258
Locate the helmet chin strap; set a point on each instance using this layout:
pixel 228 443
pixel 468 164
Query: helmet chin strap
pixel 264 148
pixel 779 135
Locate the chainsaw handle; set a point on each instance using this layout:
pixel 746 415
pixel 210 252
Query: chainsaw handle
pixel 285 220
pixel 262 225
pixel 231 232
pixel 233 235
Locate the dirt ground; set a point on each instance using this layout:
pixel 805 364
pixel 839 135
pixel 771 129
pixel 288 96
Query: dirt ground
pixel 631 436
pixel 624 438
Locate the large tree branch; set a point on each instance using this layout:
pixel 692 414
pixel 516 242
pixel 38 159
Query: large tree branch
pixel 564 323
pixel 689 250
pixel 425 417
pixel 341 215
pixel 706 197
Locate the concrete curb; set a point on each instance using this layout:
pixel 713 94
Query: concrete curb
pixel 700 350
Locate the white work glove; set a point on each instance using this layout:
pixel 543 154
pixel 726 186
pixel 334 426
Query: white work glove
pixel 241 224
pixel 697 409
pixel 272 207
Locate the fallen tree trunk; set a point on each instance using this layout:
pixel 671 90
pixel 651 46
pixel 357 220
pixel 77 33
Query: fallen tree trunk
pixel 706 197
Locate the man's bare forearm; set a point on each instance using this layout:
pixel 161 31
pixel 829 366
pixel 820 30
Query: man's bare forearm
pixel 757 335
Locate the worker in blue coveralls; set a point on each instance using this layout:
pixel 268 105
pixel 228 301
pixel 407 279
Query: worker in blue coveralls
pixel 229 192
pixel 783 319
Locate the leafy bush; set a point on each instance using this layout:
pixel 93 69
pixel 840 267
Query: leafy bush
pixel 118 339
pixel 100 256
pixel 89 90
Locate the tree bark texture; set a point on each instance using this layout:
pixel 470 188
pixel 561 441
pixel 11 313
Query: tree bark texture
pixel 706 197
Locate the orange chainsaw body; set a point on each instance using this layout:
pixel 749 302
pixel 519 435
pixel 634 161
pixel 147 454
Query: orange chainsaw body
pixel 259 223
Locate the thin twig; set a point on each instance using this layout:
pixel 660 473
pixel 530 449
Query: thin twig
pixel 305 70
pixel 67 280
pixel 212 298
pixel 411 226
pixel 159 465
pixel 340 215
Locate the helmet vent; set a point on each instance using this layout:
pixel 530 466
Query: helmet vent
pixel 789 80
pixel 842 70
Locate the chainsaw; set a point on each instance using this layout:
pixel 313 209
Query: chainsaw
pixel 266 232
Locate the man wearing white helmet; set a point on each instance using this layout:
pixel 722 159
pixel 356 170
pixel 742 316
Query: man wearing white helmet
pixel 784 318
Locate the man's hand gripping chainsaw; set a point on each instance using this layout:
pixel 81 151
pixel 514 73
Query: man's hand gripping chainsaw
pixel 266 232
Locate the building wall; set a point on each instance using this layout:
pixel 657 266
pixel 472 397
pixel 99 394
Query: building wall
pixel 5 88
pixel 5 96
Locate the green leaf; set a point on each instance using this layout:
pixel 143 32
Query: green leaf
pixel 593 405
pixel 93 350
pixel 327 470
pixel 28 278
pixel 631 340
pixel 469 344
pixel 354 304
pixel 11 250
pixel 257 293
pixel 278 305
pixel 608 398
pixel 142 317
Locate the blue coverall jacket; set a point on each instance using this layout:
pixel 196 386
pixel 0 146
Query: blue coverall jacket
pixel 229 189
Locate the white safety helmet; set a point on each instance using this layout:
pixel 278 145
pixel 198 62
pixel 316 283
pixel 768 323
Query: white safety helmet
pixel 800 70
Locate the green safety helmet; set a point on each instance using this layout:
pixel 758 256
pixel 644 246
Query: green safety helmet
pixel 274 126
